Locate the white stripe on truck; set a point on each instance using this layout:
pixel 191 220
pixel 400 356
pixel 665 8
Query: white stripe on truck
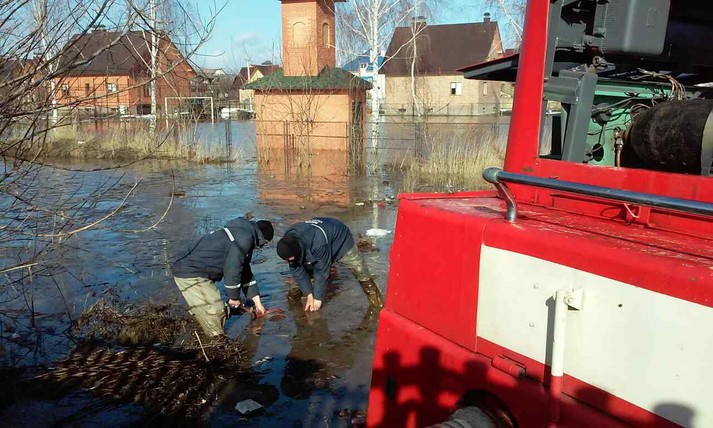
pixel 650 349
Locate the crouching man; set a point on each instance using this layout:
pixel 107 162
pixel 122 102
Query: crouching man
pixel 311 247
pixel 222 254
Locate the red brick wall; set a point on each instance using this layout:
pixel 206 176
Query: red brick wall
pixel 305 47
pixel 326 52
pixel 177 74
pixel 72 91
pixel 173 82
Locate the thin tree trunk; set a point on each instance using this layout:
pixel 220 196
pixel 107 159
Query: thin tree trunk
pixel 513 22
pixel 414 56
pixel 416 107
pixel 374 46
pixel 154 64
pixel 53 89
pixel 41 17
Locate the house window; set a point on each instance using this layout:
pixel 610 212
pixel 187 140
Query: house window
pixel 485 88
pixel 456 88
pixel 147 89
pixel 111 88
pixel 65 89
pixel 326 35
pixel 87 90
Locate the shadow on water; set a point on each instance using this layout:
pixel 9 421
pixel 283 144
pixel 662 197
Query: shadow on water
pixel 302 368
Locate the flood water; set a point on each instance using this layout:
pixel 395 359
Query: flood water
pixel 303 368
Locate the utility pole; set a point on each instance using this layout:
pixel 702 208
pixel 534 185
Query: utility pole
pixel 154 64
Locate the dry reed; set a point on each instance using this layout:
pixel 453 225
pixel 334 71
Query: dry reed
pixel 130 142
pixel 454 162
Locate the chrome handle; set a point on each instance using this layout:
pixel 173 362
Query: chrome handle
pixel 499 178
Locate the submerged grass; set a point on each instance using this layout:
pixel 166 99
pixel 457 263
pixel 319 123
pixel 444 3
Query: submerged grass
pixel 129 142
pixel 454 162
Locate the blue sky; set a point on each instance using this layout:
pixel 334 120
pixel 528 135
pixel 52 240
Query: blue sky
pixel 250 29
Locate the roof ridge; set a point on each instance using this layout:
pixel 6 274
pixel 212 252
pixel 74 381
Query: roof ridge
pixel 455 24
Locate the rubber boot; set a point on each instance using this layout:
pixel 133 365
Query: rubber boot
pixel 295 294
pixel 372 293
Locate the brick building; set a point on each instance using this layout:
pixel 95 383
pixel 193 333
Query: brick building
pixel 116 79
pixel 250 74
pixel 440 51
pixel 310 104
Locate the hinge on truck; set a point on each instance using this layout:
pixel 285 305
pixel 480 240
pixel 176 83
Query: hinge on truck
pixel 574 299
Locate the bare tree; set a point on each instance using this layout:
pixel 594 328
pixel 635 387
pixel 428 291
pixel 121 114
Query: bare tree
pixel 154 63
pixel 368 25
pixel 38 51
pixel 168 23
pixel 514 11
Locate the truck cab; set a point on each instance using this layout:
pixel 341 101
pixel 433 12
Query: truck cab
pixel 579 291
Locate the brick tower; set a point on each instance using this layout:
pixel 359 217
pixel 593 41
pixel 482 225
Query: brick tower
pixel 308 36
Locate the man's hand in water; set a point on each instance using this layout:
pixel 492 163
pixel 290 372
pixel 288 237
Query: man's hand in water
pixel 313 305
pixel 259 311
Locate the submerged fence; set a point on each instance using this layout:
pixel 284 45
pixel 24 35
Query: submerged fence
pixel 393 139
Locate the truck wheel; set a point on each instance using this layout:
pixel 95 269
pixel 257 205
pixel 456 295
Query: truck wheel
pixel 468 417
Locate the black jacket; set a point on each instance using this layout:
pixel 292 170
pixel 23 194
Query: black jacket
pixel 323 241
pixel 215 256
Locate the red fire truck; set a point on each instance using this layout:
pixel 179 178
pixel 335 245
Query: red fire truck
pixel 577 293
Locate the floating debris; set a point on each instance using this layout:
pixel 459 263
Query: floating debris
pixel 118 358
pixel 357 417
pixel 376 232
pixel 178 194
pixel 165 381
pixel 247 407
pixel 365 246
pixel 130 325
pixel 263 360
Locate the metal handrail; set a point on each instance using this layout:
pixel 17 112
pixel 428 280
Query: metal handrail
pixel 499 178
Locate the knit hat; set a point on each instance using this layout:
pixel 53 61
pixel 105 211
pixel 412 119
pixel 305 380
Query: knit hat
pixel 288 247
pixel 266 228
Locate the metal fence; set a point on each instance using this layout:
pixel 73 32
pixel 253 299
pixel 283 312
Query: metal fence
pixel 449 109
pixel 393 140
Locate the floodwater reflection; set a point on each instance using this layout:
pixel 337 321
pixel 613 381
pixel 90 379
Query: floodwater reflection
pixel 323 180
pixel 112 260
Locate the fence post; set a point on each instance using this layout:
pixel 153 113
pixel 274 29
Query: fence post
pixel 418 139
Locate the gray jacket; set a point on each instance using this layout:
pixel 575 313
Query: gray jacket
pixel 323 241
pixel 216 256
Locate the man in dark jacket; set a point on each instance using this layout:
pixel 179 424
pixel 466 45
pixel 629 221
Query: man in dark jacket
pixel 222 254
pixel 311 247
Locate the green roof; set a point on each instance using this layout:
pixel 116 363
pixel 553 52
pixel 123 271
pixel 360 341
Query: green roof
pixel 328 78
